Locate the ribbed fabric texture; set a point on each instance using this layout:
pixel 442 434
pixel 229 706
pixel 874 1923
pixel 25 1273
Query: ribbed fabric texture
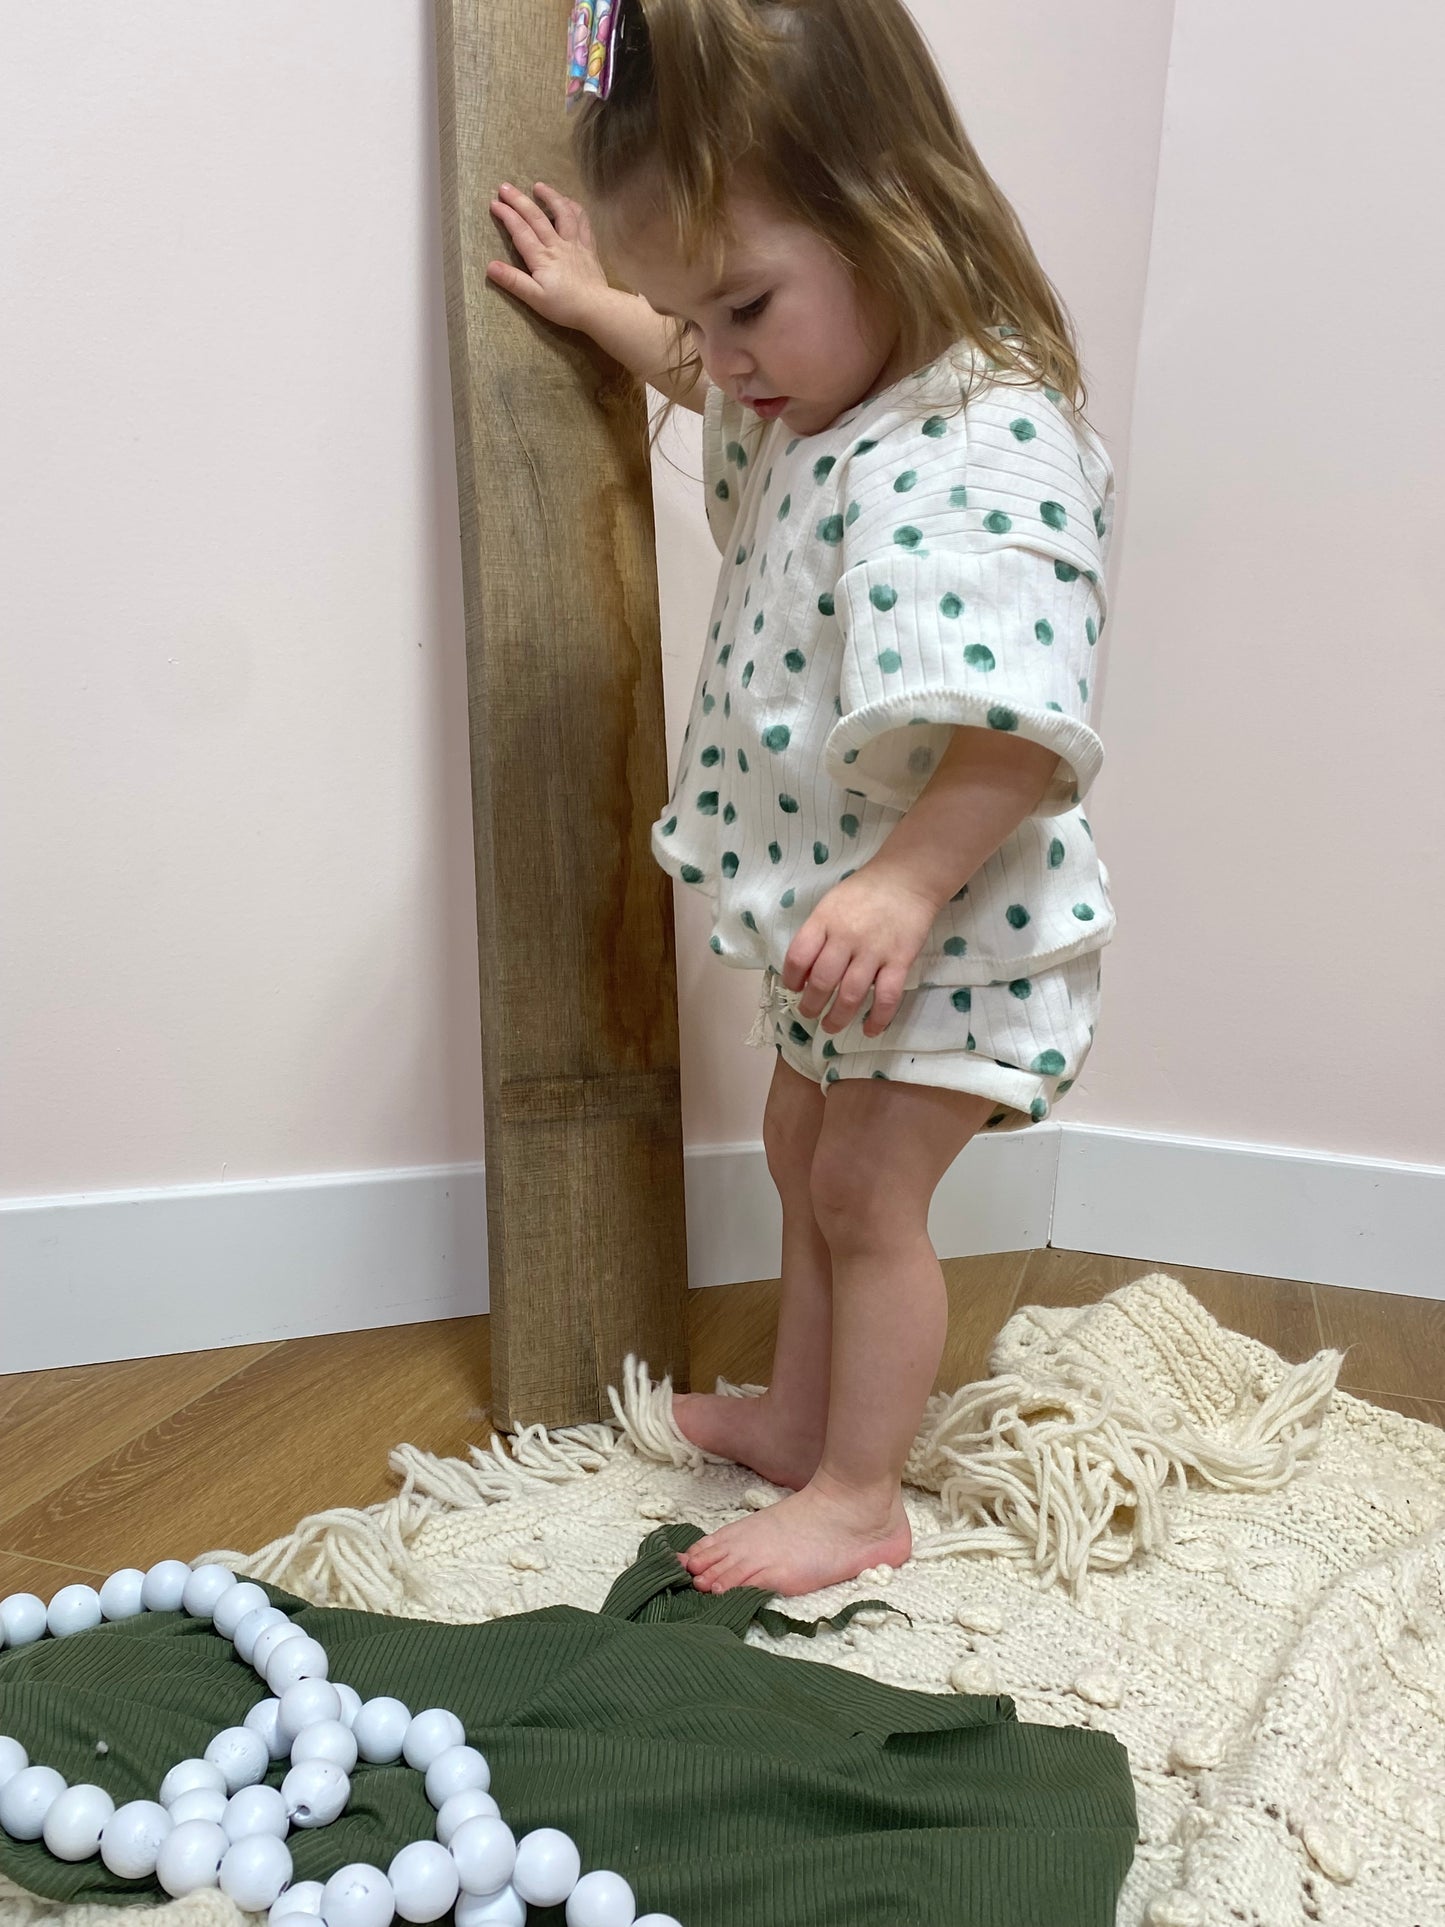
pixel 934 559
pixel 732 1787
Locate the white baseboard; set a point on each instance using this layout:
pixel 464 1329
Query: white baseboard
pixel 1366 1223
pixel 139 1273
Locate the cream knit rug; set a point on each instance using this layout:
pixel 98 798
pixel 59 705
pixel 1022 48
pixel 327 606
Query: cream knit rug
pixel 1141 1522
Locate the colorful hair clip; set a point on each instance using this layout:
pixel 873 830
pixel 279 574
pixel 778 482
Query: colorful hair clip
pixel 591 45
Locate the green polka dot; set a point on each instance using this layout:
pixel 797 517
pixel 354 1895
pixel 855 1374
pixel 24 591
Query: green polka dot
pixel 743 761
pixel 962 1000
pixel 889 661
pixel 830 1049
pixel 935 426
pixel 1065 1084
pixel 882 1076
pixel 792 444
pixel 1002 718
pixel 1021 988
pixel 997 523
pixel 954 947
pixel 1056 854
pixel 729 863
pixel 1099 523
pixel 707 802
pixel 950 606
pixel 1084 912
pixel 750 922
pixel 864 447
pixel 1017 916
pixel 907 480
pixel 1053 514
pixel 1039 1109
pixel 882 596
pixel 1023 429
pixel 1084 822
pixel 852 516
pixel 767 481
pixel 825 604
pixel 795 660
pixel 958 498
pixel 1048 1063
pixel 1044 631
pixel 977 657
pixel 850 756
pixel 713 632
pixel 690 874
pixel 777 736
pixel 830 530
pixel 737 453
pixel 820 852
pixel 823 467
pixel 832 1074
pixel 787 804
pixel 1058 707
pixel 848 825
pixel 1084 688
pixel 788 898
pixel 1054 396
pixel 722 491
pixel 715 943
pixel 785 508
pixel 669 826
pixel 709 704
pixel 908 537
pixel 758 623
pixel 798 1034
pixel 971 1044
pixel 775 851
pixel 747 675
pixel 740 557
pixel 1066 572
pixel 729 813
pixel 1090 630
pixel 712 754
pixel 786 560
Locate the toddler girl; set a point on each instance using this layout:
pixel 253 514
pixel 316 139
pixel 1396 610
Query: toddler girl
pixel 879 788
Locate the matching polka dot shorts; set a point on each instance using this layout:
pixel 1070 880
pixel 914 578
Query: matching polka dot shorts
pixel 1021 1043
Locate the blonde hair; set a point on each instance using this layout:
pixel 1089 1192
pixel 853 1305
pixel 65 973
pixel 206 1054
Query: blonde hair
pixel 836 111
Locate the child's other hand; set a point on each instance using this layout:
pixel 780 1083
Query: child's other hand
pixel 561 276
pixel 863 935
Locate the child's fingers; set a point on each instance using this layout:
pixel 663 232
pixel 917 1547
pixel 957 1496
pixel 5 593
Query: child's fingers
pixel 565 215
pixel 887 996
pixel 524 205
pixel 512 281
pixel 524 237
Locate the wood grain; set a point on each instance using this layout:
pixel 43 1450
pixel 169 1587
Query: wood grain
pixel 1391 1343
pixel 581 1095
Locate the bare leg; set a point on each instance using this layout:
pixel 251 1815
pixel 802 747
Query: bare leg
pixel 781 1434
pixel 880 1155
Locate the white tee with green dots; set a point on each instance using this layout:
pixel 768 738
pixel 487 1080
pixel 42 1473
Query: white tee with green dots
pixel 927 561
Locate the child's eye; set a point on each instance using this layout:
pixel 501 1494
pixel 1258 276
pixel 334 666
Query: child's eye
pixel 752 310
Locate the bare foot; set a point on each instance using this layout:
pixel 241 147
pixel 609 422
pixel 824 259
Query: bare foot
pixel 751 1432
pixel 817 1537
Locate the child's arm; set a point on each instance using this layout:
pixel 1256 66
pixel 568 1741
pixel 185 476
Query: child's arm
pixel 563 279
pixel 985 785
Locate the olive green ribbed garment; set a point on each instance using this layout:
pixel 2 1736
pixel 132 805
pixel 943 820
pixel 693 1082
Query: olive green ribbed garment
pixel 732 1787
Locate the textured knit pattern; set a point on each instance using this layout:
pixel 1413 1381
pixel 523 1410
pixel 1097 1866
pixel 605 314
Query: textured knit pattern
pixel 1271 1657
pixel 935 558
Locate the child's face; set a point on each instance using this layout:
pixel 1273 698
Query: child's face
pixel 783 328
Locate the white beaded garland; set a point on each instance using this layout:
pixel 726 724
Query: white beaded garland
pixel 22 1618
pixel 186 1774
pixel 358 1896
pixel 242 1755
pixel 350 1702
pixel 75 1822
pixel 315 1793
pixel 471 1805
pixel 300 1902
pixel 13 1759
pixel 424 1881
pixel 132 1839
pixel 164 1586
pixel 231 1608
pixel 201 1803
pixel 254 1871
pixel 380 1727
pixel 120 1596
pixel 295 1659
pixel 255 1809
pixel 74 1609
pixel 190 1858
pixel 270 1637
pixel 250 1627
pixel 326 1740
pixel 454 1771
pixel 303 1704
pixel 265 1718
pixel 204 1588
pixel 548 1865
pixel 506 1909
pixel 430 1734
pixel 25 1801
pixel 651 1920
pixel 485 1851
pixel 601 1899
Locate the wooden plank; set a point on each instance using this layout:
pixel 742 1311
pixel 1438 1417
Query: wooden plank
pixel 586 1235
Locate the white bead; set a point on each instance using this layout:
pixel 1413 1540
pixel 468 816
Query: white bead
pixel 186 1774
pixel 315 1792
pixel 293 1660
pixel 120 1596
pixel 74 1609
pixel 13 1759
pixel 233 1605
pixel 485 1851
pixel 303 1704
pixel 454 1771
pixel 265 1718
pixel 358 1896
pixel 424 1881
pixel 380 1727
pixel 74 1824
pixel 548 1864
pixel 25 1801
pixel 204 1588
pixel 270 1637
pixel 471 1805
pixel 429 1734
pixel 132 1839
pixel 201 1803
pixel 250 1626
pixel 241 1754
pixel 254 1870
pixel 164 1586
pixel 190 1857
pixel 506 1909
pixel 350 1703
pixel 255 1809
pixel 301 1902
pixel 22 1616
pixel 601 1899
pixel 654 1920
pixel 325 1740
